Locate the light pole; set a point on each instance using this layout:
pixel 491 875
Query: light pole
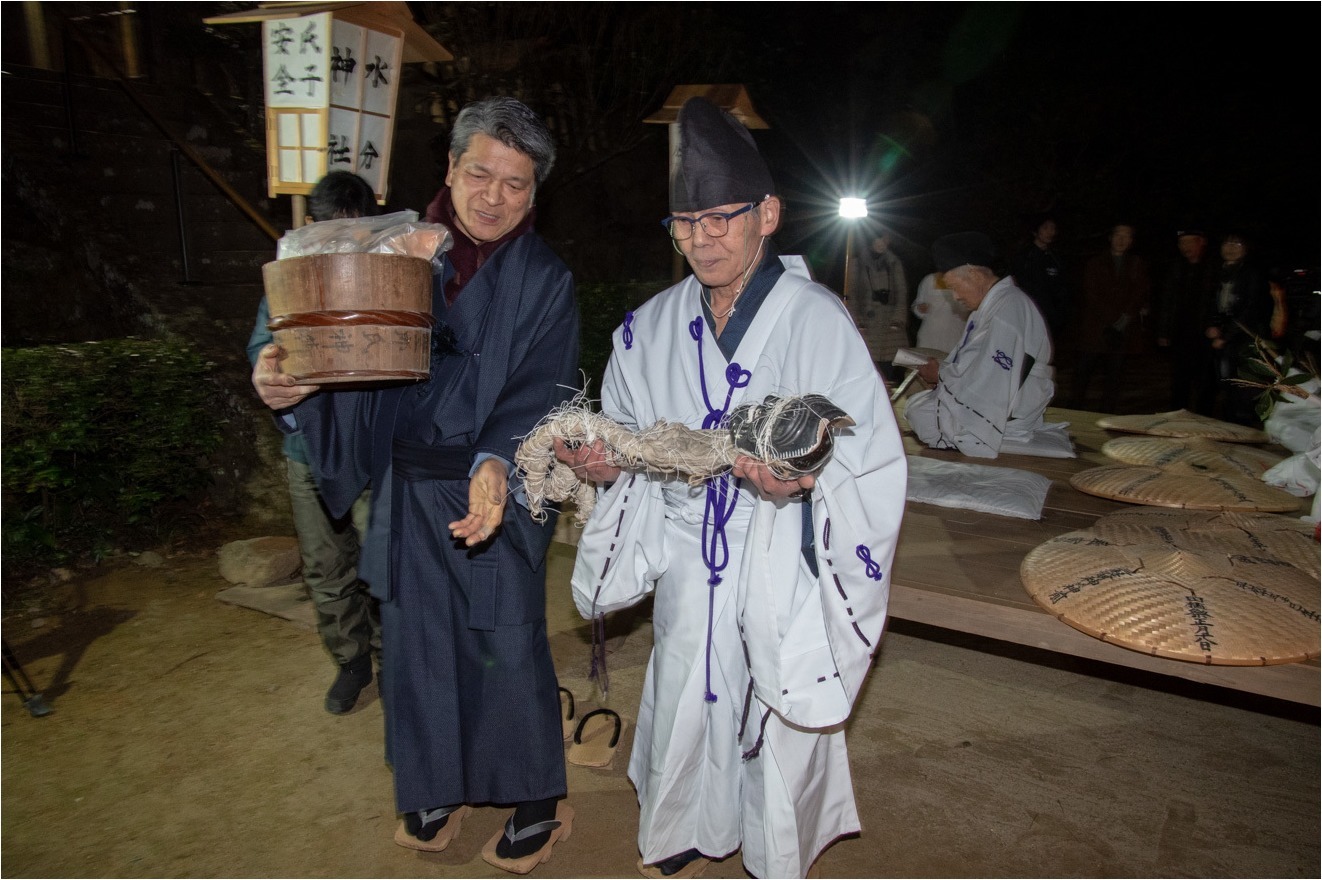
pixel 851 208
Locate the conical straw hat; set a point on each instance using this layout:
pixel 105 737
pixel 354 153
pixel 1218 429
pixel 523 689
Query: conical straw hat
pixel 1139 484
pixel 1211 607
pixel 1192 455
pixel 1182 423
pixel 1234 533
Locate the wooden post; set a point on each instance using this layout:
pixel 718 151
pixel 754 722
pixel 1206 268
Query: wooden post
pixel 128 40
pixel 38 44
pixel 300 209
pixel 677 260
pixel 848 287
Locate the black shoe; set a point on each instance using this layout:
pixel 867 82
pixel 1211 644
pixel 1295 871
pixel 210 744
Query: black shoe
pixel 354 676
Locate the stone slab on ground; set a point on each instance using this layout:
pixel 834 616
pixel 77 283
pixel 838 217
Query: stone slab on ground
pixel 287 601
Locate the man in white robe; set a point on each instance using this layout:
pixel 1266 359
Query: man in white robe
pixel 770 594
pixel 995 385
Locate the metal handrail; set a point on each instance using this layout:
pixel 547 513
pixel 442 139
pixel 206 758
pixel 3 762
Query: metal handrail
pixel 183 146
pixel 175 178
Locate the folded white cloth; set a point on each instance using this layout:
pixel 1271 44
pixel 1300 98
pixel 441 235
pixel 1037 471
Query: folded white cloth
pixel 1049 441
pixel 999 490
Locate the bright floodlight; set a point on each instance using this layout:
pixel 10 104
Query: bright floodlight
pixel 853 208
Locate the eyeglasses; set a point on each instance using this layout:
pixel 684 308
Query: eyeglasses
pixel 714 223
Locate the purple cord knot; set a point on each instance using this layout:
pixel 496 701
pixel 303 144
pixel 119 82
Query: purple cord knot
pixel 870 567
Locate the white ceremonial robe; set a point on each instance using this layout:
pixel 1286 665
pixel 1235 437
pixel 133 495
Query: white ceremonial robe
pixel 995 385
pixel 807 642
pixel 943 323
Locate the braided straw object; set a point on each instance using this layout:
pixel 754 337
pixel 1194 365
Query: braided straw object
pixel 791 435
pixel 666 448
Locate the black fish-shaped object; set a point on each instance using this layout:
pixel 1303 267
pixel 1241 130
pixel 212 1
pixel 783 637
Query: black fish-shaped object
pixel 793 435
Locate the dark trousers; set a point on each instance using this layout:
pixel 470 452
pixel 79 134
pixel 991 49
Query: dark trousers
pixel 347 615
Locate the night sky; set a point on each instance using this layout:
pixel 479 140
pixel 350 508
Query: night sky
pixel 953 116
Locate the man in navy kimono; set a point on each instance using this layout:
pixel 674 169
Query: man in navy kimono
pixel 469 690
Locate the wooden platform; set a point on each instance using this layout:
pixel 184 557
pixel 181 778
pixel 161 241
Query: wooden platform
pixel 959 570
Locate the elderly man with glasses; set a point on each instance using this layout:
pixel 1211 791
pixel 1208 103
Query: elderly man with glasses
pixel 770 592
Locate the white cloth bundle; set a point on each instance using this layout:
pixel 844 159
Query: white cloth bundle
pixel 999 490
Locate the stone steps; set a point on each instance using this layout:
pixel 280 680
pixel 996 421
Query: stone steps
pixel 118 175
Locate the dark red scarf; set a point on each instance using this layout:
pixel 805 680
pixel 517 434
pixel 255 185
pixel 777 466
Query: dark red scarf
pixel 467 256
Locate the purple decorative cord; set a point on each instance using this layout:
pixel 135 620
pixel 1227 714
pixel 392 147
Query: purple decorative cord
pixel 721 497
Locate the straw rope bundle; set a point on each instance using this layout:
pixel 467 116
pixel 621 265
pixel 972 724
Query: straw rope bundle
pixel 791 435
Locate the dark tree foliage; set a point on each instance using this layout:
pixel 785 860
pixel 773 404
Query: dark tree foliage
pixel 105 443
pixel 596 70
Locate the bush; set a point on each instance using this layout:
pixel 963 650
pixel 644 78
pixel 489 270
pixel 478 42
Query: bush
pixel 103 443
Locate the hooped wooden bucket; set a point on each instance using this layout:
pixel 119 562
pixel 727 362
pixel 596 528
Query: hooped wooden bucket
pixel 351 317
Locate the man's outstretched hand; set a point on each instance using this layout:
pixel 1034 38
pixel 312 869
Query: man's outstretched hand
pixel 487 491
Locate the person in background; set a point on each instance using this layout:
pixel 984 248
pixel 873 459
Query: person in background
pixel 942 318
pixel 347 616
pixel 879 302
pixel 1186 297
pixel 470 693
pixel 996 384
pixel 1039 272
pixel 770 589
pixel 1240 308
pixel 1116 290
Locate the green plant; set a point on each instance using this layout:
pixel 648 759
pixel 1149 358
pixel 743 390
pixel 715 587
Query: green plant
pixel 103 442
pixel 601 308
pixel 1275 372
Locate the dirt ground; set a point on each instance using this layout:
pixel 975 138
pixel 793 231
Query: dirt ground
pixel 188 739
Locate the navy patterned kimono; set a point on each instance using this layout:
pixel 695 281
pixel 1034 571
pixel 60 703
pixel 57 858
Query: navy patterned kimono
pixel 468 686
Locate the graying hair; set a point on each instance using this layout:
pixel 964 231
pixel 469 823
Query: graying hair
pixel 510 122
